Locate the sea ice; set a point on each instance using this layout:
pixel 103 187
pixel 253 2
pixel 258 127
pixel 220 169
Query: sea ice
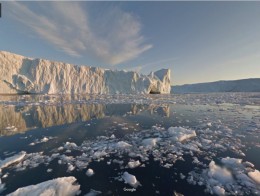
pixel 130 179
pixel 150 142
pixel 122 144
pixel 2 186
pixel 64 186
pixel 222 175
pixel 10 160
pixel 255 175
pixel 218 190
pixel 93 192
pixel 181 134
pixel 231 161
pixel 133 164
pixel 90 172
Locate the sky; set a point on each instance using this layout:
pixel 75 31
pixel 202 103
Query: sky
pixel 198 41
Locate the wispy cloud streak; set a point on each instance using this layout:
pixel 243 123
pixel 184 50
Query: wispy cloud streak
pixel 115 38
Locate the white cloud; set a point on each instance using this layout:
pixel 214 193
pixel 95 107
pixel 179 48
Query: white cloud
pixel 113 37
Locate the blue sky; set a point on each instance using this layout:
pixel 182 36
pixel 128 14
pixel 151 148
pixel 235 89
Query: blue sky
pixel 198 41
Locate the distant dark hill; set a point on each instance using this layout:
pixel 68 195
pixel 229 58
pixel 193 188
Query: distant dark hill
pixel 245 85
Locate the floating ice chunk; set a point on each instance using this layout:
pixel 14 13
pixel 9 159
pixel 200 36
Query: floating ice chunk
pixel 206 141
pixel 93 192
pixel 60 148
pixel 90 172
pixel 64 186
pixel 248 164
pixel 245 180
pixel 218 190
pixel 130 179
pixel 133 164
pixel 60 186
pixel 122 144
pixel 45 139
pixel 255 175
pixel 112 136
pixel 182 176
pixel 231 161
pixel 150 141
pixel 49 170
pixel 177 194
pixel 70 168
pixel 10 160
pixel 222 175
pixel 209 124
pixel 2 186
pixel 181 134
pixel 70 145
pixel 99 154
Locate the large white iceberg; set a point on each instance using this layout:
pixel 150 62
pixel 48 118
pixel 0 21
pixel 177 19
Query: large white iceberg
pixel 57 187
pixel 19 74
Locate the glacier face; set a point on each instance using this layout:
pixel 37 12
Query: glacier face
pixel 19 74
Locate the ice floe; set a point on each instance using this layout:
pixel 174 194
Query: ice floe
pixel 130 179
pixel 255 175
pixel 181 134
pixel 90 172
pixel 64 186
pixel 10 160
pixel 133 164
pixel 93 192
pixel 232 178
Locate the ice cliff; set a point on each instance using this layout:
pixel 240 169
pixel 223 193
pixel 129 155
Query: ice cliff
pixel 19 74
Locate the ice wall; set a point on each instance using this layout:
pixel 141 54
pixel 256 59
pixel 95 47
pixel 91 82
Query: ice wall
pixel 19 74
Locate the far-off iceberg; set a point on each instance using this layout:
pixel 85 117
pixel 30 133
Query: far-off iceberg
pixel 19 74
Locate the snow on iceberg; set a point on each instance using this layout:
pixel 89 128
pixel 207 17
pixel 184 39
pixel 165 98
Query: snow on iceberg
pixel 181 134
pixel 20 74
pixel 64 186
pixel 10 160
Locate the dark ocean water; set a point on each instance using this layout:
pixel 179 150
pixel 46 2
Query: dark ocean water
pixel 28 119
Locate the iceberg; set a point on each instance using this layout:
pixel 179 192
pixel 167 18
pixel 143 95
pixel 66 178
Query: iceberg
pixel 20 74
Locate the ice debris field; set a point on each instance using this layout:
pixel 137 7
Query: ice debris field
pixel 203 144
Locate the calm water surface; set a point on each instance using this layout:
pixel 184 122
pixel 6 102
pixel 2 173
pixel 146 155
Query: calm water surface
pixel 224 119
